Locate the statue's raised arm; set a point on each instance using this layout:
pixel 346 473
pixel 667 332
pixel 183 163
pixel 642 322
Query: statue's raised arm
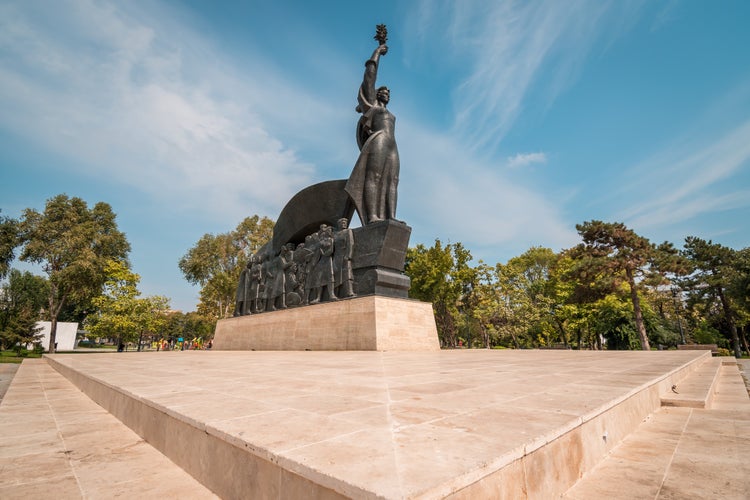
pixel 367 93
pixel 373 184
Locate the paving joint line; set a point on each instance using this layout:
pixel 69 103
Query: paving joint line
pixel 66 451
pixel 674 453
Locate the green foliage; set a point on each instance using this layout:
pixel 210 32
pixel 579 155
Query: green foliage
pixel 616 253
pixel 716 283
pixel 121 312
pixel 612 318
pixel 8 243
pixel 216 261
pixel 706 334
pixel 188 325
pixel 18 355
pixel 73 244
pixel 515 302
pixel 615 290
pixel 21 330
pixel 442 275
pixel 24 297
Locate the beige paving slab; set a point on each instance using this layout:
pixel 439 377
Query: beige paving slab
pixel 57 443
pixel 711 458
pixel 393 424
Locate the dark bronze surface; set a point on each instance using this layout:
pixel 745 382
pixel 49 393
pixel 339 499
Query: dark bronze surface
pixel 308 261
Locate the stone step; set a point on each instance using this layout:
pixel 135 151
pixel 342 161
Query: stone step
pixel 680 452
pixel 697 389
pixel 57 443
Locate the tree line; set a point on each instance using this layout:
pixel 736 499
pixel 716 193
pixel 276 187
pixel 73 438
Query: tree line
pixel 87 279
pixel 614 290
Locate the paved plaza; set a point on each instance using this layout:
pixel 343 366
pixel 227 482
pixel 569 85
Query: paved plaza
pixel 345 424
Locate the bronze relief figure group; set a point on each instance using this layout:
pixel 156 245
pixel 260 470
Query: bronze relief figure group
pixel 320 269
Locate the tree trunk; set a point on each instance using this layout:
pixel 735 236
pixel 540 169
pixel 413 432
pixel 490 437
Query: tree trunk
pixel 52 335
pixel 563 334
pixel 54 312
pixel 515 340
pixel 637 311
pixel 730 321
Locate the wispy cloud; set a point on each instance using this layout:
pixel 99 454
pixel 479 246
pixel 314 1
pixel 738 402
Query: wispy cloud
pixel 691 179
pixel 511 47
pixel 105 87
pixel 520 160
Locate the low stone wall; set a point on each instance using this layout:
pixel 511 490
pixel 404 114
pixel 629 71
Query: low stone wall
pixel 699 347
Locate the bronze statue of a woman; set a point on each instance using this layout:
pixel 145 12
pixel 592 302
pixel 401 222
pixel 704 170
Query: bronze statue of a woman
pixel 373 184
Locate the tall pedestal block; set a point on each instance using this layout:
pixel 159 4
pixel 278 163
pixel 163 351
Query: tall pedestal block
pixel 371 323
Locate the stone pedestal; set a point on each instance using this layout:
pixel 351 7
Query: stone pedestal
pixel 371 323
pixel 378 260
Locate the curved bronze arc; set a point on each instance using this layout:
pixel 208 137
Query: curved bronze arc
pixel 322 203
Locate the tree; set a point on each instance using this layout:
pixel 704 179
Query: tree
pixel 740 292
pixel 487 310
pixel 713 275
pixel 8 243
pixel 151 316
pixel 442 275
pixel 614 249
pixel 565 314
pixel 121 313
pixel 73 244
pixel 216 261
pixel 526 288
pixel 188 325
pixel 23 299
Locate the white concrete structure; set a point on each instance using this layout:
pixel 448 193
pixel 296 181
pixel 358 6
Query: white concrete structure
pixel 65 338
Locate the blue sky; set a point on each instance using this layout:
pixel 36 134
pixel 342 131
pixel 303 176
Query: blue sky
pixel 516 120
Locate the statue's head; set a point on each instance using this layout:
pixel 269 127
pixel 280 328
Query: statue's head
pixel 343 223
pixel 384 95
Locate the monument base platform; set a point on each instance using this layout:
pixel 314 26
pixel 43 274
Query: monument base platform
pixel 461 424
pixel 370 323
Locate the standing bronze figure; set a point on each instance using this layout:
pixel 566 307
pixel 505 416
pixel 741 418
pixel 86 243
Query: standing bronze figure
pixel 373 184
